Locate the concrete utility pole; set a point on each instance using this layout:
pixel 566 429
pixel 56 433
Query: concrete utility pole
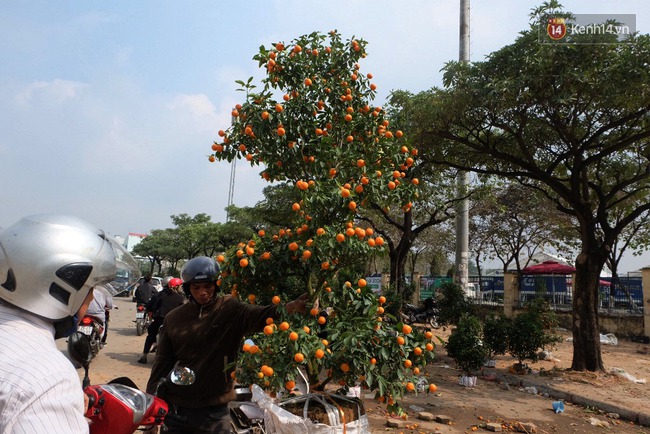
pixel 462 210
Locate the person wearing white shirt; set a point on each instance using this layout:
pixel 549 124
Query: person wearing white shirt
pixel 99 307
pixel 48 266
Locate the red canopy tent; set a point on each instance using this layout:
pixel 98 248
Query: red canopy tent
pixel 549 267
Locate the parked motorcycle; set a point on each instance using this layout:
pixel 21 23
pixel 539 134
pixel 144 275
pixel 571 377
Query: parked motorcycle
pixel 92 327
pixel 142 319
pixel 119 407
pixel 427 314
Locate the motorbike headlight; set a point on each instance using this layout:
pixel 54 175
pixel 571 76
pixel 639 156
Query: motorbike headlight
pixel 135 399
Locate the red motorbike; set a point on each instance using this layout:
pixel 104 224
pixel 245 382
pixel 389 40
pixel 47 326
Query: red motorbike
pixel 117 407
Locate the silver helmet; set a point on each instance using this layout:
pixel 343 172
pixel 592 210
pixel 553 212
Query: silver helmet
pixel 49 263
pixel 165 281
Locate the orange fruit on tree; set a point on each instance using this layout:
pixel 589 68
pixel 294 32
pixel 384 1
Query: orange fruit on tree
pixel 371 242
pixel 428 335
pixel 380 310
pixel 382 299
pixel 322 320
pixel 290 384
pixel 407 329
pixel 345 192
pixel 373 361
pixel 279 108
pixel 293 336
pixel 306 329
pixel 313 311
pixel 410 386
pixel 352 205
pixel 269 320
pixel 340 238
pixel 417 351
pixel 221 258
pixel 379 241
pixel 295 207
pixel 362 283
pixel 391 185
pixel 284 326
pixel 348 117
pixel 349 232
pixel 345 367
pixel 319 353
pixel 293 246
pixel 432 387
pixel 243 262
pixel 306 254
pixel 265 115
pixel 275 299
pixel 408 363
pixel 325 265
pixel 361 162
pixel 246 348
pixel 416 371
pixel 400 340
pixel 308 81
pixel 320 231
pixel 429 346
pixel 252 298
pixel 299 357
pixel 281 131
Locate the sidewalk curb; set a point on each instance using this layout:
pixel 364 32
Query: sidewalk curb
pixel 641 418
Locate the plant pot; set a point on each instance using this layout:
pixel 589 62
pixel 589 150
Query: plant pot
pixel 467 381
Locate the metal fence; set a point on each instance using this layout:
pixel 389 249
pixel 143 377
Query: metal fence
pixel 624 294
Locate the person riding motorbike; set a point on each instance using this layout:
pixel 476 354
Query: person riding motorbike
pixel 205 335
pixel 160 305
pixel 48 266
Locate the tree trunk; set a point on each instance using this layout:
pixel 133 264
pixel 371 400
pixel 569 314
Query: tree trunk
pixel 585 327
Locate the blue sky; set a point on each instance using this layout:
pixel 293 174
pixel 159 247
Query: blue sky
pixel 109 108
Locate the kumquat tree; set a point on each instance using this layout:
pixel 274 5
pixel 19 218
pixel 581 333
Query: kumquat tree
pixel 312 125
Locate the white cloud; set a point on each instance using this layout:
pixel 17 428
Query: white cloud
pixel 56 91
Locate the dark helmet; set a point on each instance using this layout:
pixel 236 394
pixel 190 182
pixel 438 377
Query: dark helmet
pixel 199 269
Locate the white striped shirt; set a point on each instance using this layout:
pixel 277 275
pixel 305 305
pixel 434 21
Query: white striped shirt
pixel 40 391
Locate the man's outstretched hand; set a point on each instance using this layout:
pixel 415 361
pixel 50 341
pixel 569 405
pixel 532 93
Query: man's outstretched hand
pixel 299 305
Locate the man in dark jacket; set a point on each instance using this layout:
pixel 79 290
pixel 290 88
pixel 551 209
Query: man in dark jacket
pixel 205 335
pixel 160 305
pixel 144 291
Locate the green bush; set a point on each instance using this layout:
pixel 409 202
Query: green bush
pixel 452 304
pixel 496 331
pixel 541 309
pixel 465 346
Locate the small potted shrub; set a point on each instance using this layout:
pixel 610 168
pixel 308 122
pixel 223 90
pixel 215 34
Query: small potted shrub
pixel 525 338
pixel 467 349
pixel 496 330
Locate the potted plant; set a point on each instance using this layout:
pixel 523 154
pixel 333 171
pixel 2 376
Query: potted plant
pixel 496 330
pixel 467 349
pixel 525 338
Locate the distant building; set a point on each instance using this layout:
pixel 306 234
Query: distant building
pixel 133 239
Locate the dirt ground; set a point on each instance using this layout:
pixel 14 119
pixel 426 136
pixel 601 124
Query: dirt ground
pixel 508 399
pixel 497 397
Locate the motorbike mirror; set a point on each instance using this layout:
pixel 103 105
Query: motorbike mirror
pixel 79 348
pixel 182 376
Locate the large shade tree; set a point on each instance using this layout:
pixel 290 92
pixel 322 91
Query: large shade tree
pixel 571 121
